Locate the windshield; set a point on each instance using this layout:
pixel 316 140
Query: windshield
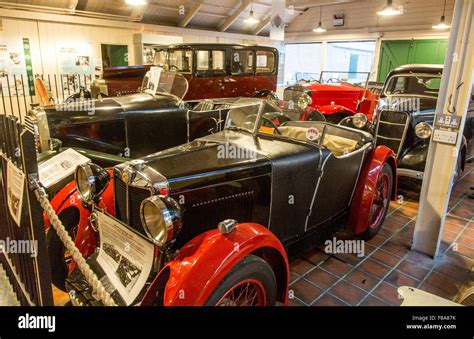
pixel 247 114
pixel 161 81
pixel 413 84
pixel 359 79
pixel 175 60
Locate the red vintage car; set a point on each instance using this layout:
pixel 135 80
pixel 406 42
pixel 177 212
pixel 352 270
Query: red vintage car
pixel 212 70
pixel 335 96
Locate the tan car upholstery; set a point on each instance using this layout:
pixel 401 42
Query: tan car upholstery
pixel 336 144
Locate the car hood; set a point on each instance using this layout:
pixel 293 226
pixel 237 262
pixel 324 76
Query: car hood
pixel 198 159
pixel 109 108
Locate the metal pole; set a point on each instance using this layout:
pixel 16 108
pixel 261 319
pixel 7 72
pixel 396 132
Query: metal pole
pixel 456 84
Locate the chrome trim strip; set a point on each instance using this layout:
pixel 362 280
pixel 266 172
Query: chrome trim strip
pixel 405 172
pixel 358 173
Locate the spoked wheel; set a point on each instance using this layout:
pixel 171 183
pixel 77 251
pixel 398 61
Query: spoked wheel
pixel 250 283
pixel 380 202
pixel 249 292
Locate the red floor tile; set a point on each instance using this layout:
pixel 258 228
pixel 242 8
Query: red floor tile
pixel 388 294
pixel 316 256
pixel 420 259
pixel 413 270
pixel 385 257
pixel 377 240
pixel 362 279
pixel 375 268
pixel 295 302
pixel 437 291
pixel 321 278
pixel 336 266
pixel 347 292
pixel 395 248
pixel 305 291
pixel 301 266
pixel 443 282
pixel 397 279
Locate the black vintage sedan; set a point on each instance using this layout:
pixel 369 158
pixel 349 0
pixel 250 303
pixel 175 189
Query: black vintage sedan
pixel 404 119
pixel 220 210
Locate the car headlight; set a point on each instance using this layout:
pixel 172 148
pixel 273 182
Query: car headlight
pixel 91 181
pixel 304 100
pixel 161 219
pixel 359 120
pixel 423 130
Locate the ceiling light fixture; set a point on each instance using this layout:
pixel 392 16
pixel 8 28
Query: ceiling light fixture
pixel 135 2
pixel 390 9
pixel 320 28
pixel 442 23
pixel 252 20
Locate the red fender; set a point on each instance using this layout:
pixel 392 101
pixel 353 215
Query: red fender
pixel 69 198
pixel 205 260
pixel 363 197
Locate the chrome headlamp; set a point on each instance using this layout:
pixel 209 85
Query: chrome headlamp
pixel 161 219
pixel 423 130
pixel 304 100
pixel 91 181
pixel 359 120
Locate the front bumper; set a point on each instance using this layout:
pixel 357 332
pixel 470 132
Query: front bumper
pixel 413 174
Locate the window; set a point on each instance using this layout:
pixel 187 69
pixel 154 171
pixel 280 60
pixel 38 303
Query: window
pixel 180 60
pixel 353 57
pixel 265 62
pixel 302 62
pixel 413 85
pixel 242 62
pixel 202 60
pixel 210 61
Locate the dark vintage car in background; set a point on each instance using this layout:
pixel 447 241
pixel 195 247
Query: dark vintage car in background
pixel 110 131
pixel 335 95
pixel 212 70
pixel 269 191
pixel 404 119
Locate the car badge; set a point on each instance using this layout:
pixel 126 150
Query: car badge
pixel 127 177
pixel 312 134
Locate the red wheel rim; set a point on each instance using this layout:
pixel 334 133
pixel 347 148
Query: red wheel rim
pixel 249 292
pixel 380 201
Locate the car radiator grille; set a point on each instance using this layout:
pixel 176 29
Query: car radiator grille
pixel 392 129
pixel 129 200
pixel 238 206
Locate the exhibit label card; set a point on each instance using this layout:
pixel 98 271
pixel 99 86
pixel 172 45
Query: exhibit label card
pixel 15 186
pixel 124 256
pixel 60 166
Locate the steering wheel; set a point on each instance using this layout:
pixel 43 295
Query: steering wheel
pixel 174 66
pixel 333 80
pixel 247 120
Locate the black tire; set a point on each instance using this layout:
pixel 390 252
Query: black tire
pixel 59 270
pixel 250 267
pixel 372 232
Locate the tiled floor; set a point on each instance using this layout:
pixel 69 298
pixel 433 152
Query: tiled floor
pixel 319 279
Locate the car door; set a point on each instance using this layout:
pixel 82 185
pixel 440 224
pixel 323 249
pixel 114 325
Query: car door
pixel 336 186
pixel 210 71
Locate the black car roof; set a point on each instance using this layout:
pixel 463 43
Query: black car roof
pixel 417 68
pixel 210 45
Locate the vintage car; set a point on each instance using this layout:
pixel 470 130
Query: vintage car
pixel 224 211
pixel 404 119
pixel 212 70
pixel 335 95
